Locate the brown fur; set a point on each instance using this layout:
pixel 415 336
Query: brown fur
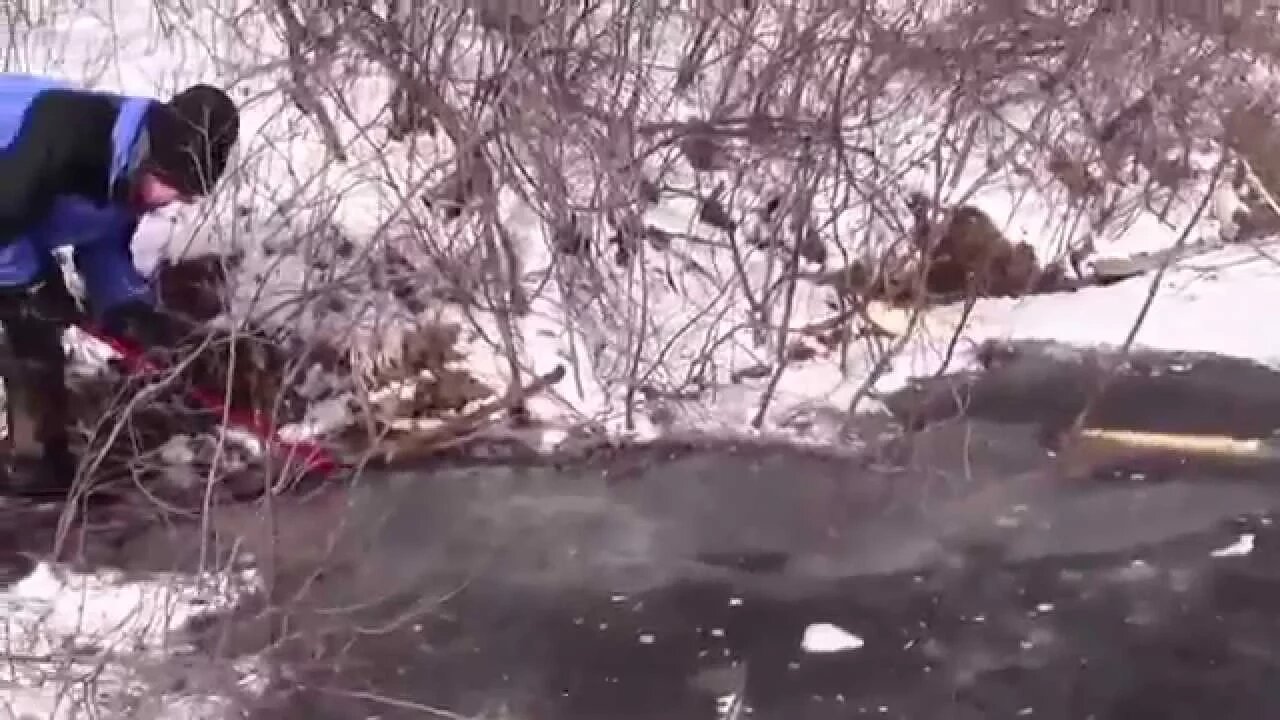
pixel 966 257
pixel 251 372
pixel 195 287
pixel 964 254
pixel 252 368
pixel 969 255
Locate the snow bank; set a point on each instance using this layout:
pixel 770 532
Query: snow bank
pixel 99 645
pixel 289 205
pixel 1201 304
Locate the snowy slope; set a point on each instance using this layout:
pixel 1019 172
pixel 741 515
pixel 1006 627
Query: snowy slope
pixel 290 205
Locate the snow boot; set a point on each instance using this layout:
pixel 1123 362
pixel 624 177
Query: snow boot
pixel 37 402
pixel 37 478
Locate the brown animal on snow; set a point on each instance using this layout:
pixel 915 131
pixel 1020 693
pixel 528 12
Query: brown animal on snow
pixel 963 253
pixel 197 288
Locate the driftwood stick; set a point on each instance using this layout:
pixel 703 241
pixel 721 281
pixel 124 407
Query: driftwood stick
pixel 408 449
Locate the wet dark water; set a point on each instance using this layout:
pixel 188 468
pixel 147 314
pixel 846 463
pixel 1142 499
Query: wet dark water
pixel 678 582
pixel 1067 639
pixel 692 578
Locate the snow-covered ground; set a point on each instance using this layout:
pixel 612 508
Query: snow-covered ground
pixel 289 203
pixel 93 645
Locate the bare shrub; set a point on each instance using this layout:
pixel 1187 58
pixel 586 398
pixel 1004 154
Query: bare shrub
pixel 564 142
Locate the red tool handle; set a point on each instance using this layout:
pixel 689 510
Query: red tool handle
pixel 315 458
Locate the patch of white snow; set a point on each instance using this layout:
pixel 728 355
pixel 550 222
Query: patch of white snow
pixel 825 638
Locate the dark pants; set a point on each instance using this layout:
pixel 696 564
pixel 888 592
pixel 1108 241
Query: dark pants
pixel 36 396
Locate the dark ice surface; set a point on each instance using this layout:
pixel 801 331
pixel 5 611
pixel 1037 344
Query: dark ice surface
pixel 677 581
pixel 695 579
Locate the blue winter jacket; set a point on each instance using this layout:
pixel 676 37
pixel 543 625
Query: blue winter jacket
pixel 100 234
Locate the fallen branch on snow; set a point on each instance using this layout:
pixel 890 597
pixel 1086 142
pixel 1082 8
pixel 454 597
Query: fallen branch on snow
pixel 387 452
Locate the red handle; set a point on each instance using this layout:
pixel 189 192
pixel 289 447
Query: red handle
pixel 315 458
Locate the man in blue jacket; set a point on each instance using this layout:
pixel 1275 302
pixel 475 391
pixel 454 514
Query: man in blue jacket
pixel 79 169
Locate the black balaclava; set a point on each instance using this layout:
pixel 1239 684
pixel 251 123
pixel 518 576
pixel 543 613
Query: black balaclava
pixel 191 137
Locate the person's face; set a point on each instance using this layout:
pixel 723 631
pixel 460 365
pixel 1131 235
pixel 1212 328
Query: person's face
pixel 153 193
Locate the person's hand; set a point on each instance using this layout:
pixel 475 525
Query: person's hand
pixel 245 367
pixel 157 332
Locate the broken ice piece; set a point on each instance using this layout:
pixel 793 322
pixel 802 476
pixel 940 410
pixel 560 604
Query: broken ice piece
pixel 828 638
pixel 1242 546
